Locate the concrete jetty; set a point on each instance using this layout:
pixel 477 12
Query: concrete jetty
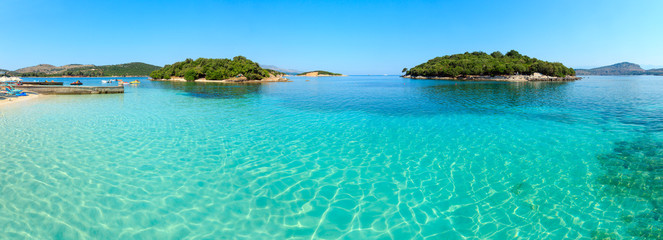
pixel 71 90
pixel 41 83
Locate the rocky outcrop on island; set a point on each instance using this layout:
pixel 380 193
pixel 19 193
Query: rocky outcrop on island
pixel 479 66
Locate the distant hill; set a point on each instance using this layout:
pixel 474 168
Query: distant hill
pixel 126 69
pixel 624 68
pixel 657 71
pixel 319 73
pixel 283 70
pixel 49 69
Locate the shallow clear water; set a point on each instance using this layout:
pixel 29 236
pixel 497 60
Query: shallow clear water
pixel 349 157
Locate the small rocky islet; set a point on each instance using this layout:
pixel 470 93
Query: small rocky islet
pixel 320 73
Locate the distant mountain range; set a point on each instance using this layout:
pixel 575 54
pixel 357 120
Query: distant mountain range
pixel 50 69
pixel 624 68
pixel 143 69
pixel 89 70
pixel 283 70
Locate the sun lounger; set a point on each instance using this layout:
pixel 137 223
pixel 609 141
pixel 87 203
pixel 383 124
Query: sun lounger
pixel 12 91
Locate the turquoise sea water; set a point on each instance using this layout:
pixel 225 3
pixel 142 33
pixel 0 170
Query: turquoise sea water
pixel 359 157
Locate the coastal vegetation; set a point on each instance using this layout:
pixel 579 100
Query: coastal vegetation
pixel 483 64
pixel 319 73
pixel 214 69
pixel 78 70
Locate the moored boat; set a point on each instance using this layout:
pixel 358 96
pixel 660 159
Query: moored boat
pixel 77 82
pixel 110 80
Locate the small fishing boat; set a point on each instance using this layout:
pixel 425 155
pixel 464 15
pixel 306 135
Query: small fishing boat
pixel 135 82
pixel 77 82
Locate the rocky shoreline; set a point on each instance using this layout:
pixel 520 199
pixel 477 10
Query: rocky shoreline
pixel 504 78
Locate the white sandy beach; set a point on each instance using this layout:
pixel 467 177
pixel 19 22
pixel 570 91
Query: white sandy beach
pixel 6 100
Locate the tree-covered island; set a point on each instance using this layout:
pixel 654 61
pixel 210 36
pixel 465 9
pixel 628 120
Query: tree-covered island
pixel 495 66
pixel 239 69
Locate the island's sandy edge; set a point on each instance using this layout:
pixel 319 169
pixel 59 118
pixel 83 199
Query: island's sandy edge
pixel 508 78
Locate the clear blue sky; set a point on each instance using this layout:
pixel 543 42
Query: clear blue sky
pixel 352 37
